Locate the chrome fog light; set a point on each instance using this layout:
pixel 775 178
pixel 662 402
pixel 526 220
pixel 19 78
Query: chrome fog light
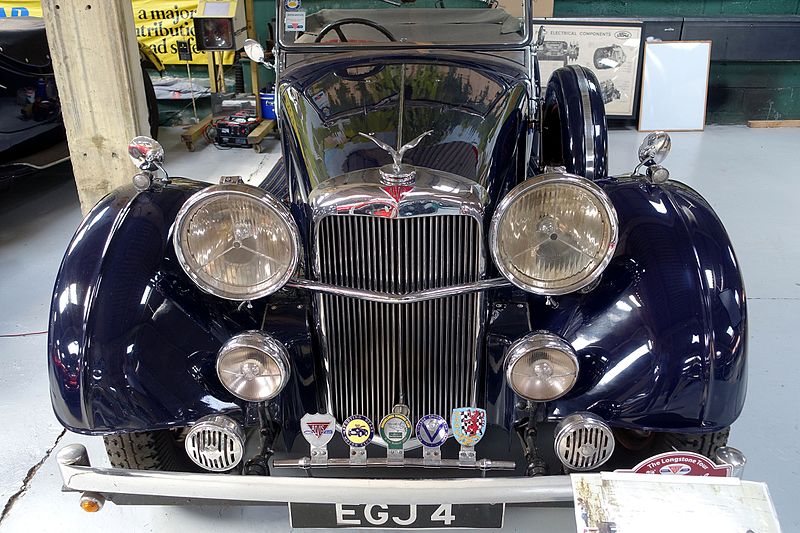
pixel 253 366
pixel 216 443
pixel 541 367
pixel 583 441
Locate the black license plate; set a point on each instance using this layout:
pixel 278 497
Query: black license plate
pixel 329 515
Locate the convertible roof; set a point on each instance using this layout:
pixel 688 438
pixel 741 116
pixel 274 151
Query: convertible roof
pixel 420 25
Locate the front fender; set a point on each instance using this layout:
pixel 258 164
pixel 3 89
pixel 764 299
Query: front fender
pixel 663 338
pixel 132 341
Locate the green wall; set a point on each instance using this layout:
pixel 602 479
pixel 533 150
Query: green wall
pixel 738 91
pixel 673 8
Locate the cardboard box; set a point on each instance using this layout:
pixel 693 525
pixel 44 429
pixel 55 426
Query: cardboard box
pixel 541 8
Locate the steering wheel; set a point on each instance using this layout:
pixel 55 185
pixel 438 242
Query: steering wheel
pixel 337 27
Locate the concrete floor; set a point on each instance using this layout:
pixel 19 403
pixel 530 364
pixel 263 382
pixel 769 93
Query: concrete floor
pixel 747 175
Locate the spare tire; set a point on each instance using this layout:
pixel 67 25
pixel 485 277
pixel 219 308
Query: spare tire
pixel 574 130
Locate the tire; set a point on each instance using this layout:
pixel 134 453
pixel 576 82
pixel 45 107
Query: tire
pixel 637 446
pixel 151 450
pixel 574 131
pixel 705 444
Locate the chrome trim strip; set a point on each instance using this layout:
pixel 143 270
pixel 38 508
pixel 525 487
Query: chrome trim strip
pixel 588 128
pixel 410 297
pixel 79 476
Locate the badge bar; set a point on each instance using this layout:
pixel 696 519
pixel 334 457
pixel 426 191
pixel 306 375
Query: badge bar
pixel 408 462
pixel 432 431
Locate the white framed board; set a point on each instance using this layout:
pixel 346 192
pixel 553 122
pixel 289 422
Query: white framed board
pixel 675 85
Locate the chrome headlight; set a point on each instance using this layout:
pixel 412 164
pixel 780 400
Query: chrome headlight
pixel 541 367
pixel 554 234
pixel 236 241
pixel 253 366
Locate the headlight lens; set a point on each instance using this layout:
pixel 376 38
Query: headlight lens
pixel 253 366
pixel 554 234
pixel 236 241
pixel 541 367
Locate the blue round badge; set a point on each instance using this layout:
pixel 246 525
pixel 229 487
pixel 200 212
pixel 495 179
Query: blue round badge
pixel 432 431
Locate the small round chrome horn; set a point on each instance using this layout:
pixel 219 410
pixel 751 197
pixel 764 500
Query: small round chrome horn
pixel 655 148
pixel 254 50
pixel 146 153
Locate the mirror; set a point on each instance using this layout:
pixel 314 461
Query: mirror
pixel 541 37
pixel 655 148
pixel 254 50
pixel 146 153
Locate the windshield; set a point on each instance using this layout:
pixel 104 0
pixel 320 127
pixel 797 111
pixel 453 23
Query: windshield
pixel 398 23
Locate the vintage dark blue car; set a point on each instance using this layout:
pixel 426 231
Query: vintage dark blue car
pixel 440 234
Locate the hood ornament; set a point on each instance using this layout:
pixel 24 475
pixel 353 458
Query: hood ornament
pixel 397 172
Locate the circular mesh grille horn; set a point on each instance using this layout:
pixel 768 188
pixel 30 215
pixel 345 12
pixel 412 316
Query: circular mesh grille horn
pixel 215 443
pixel 583 442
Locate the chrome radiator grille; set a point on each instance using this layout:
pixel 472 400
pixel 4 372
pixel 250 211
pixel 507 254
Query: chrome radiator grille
pixel 423 354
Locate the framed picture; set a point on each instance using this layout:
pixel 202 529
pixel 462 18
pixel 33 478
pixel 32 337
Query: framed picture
pixel 610 49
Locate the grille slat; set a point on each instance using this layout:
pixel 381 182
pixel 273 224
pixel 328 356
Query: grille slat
pixel 379 354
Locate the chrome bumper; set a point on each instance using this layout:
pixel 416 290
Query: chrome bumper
pixel 141 486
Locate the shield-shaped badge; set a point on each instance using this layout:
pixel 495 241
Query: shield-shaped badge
pixel 318 429
pixel 468 425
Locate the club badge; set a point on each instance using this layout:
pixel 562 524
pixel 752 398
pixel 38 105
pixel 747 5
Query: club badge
pixel 292 4
pixel 395 430
pixel 432 431
pixel 318 430
pixel 357 431
pixel 468 423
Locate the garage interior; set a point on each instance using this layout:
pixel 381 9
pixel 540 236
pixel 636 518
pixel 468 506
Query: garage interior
pixel 744 172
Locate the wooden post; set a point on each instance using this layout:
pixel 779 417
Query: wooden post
pixel 96 64
pixel 250 17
